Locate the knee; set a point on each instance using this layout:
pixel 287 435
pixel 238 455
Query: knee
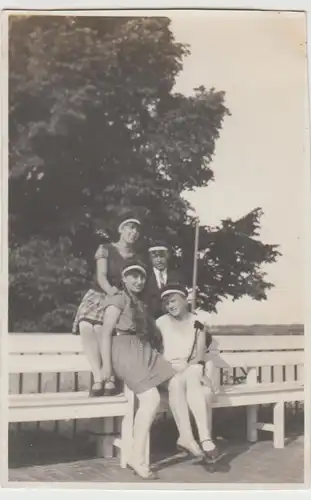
pixel 194 376
pixel 175 384
pixel 86 329
pixel 150 398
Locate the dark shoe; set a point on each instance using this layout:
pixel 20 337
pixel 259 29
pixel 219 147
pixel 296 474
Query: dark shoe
pixel 212 455
pixel 111 389
pixel 143 472
pixel 97 390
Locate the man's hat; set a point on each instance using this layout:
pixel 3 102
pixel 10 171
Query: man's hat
pixel 159 245
pixel 134 265
pixel 172 288
pixel 129 216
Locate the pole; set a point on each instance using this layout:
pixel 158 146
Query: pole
pixel 195 265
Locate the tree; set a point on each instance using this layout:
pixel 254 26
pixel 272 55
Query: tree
pixel 94 126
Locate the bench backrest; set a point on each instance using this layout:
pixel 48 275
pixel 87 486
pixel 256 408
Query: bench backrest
pixel 42 353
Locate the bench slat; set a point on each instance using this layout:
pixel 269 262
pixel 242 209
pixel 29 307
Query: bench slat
pixel 61 398
pixel 258 398
pixel 245 395
pixel 260 388
pixel 257 343
pixel 67 343
pixel 33 363
pixel 44 343
pixel 252 359
pixel 61 406
pixel 53 411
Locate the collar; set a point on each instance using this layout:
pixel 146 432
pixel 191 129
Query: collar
pixel 157 271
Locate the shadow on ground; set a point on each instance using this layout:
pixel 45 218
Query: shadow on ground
pixel 38 447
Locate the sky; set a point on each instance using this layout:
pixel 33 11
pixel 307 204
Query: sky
pixel 261 160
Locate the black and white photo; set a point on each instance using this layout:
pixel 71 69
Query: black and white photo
pixel 156 197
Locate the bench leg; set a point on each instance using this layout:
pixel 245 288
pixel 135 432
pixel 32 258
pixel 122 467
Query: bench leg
pixel 104 443
pixel 251 415
pixel 279 424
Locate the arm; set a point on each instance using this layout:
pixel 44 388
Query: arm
pixel 111 317
pixel 156 340
pixel 200 348
pixel 101 275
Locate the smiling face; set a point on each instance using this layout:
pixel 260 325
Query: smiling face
pixel 129 232
pixel 134 281
pixel 159 259
pixel 176 305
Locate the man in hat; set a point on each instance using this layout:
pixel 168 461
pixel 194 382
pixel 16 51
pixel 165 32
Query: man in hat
pixel 159 275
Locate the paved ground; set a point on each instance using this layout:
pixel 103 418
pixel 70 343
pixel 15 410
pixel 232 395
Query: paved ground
pixel 258 463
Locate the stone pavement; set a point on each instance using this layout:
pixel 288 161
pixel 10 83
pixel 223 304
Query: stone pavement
pixel 244 463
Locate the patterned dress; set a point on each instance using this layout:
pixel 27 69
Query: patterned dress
pixel 92 305
pixel 133 359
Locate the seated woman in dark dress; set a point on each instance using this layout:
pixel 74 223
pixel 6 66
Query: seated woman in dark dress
pixel 129 349
pixel 110 259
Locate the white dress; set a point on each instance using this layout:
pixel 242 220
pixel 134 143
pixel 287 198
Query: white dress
pixel 178 338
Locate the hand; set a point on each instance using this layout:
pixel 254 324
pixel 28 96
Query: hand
pixel 180 366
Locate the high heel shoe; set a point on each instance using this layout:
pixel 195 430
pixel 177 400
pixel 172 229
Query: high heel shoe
pixel 143 471
pixel 212 455
pixel 97 390
pixel 111 389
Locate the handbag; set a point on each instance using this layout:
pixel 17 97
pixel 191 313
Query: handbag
pixel 208 339
pixel 207 379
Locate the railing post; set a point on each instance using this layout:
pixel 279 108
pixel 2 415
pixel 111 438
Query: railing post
pixel 252 410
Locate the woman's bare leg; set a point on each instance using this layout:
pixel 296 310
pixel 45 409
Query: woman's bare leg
pixel 91 348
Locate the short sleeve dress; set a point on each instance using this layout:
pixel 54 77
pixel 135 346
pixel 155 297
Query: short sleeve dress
pixel 178 339
pixel 134 360
pixel 91 306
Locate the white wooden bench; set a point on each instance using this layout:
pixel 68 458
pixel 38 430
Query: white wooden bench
pixel 54 353
pixel 273 364
pixel 273 368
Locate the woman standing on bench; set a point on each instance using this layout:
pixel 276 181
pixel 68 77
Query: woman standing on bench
pixel 185 342
pixel 129 349
pixel 110 259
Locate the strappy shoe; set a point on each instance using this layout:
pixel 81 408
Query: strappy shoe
pixel 97 390
pixel 212 455
pixel 142 471
pixel 192 449
pixel 111 388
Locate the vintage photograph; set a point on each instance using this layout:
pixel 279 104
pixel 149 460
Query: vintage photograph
pixel 156 196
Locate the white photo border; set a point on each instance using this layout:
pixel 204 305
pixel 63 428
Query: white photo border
pixel 108 7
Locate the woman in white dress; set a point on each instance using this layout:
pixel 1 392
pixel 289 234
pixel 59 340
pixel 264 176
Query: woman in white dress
pixel 184 346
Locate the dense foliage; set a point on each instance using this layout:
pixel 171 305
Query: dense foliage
pixel 94 126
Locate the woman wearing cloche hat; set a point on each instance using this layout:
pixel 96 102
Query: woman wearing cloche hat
pixel 129 350
pixel 185 341
pixel 109 260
